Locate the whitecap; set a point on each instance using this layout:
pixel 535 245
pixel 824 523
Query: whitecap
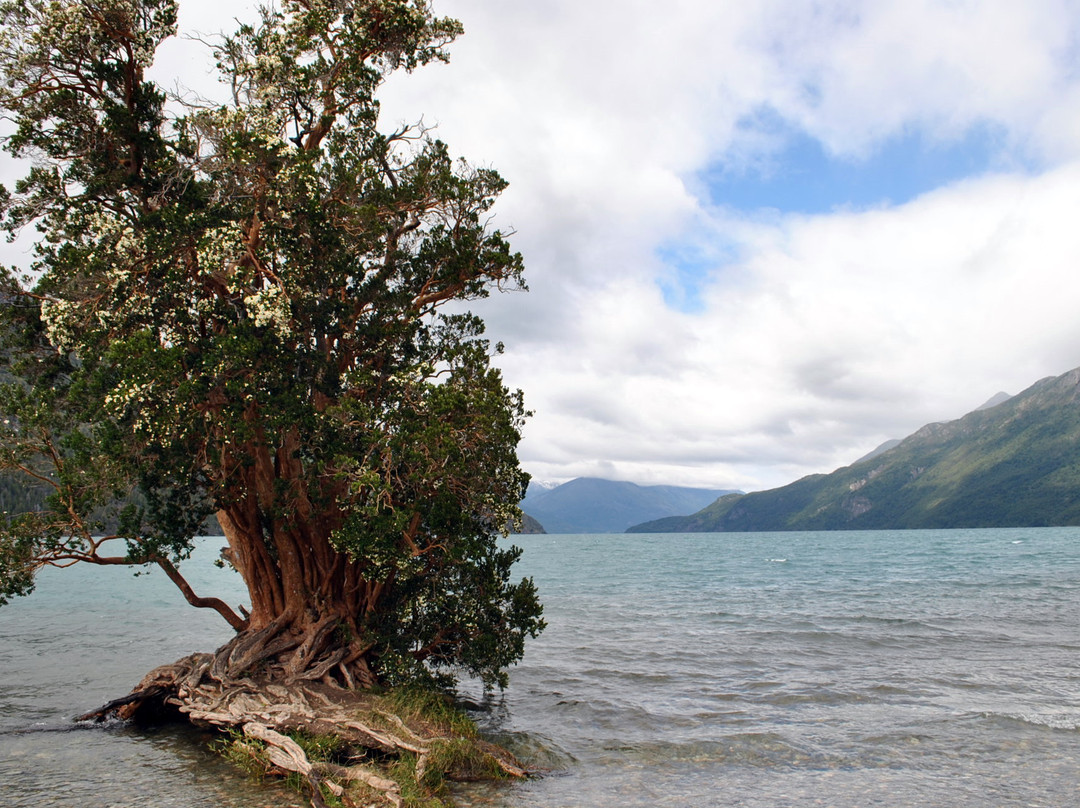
pixel 1065 721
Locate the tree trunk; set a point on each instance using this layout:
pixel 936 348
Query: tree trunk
pixel 306 596
pixel 303 623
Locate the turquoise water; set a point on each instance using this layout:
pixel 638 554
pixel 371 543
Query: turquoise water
pixel 914 668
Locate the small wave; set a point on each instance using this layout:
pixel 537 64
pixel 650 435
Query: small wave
pixel 1062 721
pixel 540 752
pixel 763 750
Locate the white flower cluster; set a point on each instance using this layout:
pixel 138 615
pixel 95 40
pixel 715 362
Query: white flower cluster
pixel 269 307
pixel 157 416
pixel 220 247
pixel 262 123
pixel 61 323
pixel 129 394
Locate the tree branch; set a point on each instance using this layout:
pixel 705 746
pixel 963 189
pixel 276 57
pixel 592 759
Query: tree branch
pixel 218 605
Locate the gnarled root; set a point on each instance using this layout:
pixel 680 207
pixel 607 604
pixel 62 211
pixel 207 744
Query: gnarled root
pixel 270 710
pixel 287 754
pixel 285 653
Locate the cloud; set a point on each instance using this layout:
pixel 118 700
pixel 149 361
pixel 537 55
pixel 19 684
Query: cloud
pixel 833 334
pixel 673 340
pixel 866 70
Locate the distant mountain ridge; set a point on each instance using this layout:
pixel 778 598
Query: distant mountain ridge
pixel 593 505
pixel 529 525
pixel 1014 462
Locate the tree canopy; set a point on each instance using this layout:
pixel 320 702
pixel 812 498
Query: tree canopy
pixel 240 309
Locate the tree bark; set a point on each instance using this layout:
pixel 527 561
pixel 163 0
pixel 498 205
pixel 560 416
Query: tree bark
pixel 306 597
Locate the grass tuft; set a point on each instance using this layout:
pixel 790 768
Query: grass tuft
pixel 320 747
pixel 461 759
pixel 247 754
pixel 417 792
pixel 436 709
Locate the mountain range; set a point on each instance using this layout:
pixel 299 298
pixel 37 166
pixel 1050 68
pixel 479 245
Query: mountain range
pixel 592 505
pixel 1015 462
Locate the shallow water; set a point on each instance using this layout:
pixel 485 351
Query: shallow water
pixel 88 635
pixel 845 669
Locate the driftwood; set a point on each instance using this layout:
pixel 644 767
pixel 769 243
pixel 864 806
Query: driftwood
pixel 267 711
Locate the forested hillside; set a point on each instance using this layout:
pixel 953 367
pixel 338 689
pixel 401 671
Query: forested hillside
pixel 1015 464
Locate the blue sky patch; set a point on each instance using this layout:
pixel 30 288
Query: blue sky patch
pixel 690 266
pixel 802 177
pixel 682 287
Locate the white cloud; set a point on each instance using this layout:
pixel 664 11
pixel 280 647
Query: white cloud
pixel 835 333
pixel 854 73
pixel 828 334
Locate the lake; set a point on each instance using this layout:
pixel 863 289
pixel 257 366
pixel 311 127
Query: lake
pixel 884 668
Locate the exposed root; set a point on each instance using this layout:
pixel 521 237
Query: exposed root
pixel 275 712
pixel 136 697
pixel 287 754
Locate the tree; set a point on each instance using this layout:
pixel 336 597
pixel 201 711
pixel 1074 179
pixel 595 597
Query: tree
pixel 241 309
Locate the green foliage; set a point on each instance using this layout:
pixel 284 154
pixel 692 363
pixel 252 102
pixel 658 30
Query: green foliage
pixel 237 309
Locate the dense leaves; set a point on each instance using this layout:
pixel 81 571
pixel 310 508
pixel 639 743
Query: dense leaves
pixel 234 309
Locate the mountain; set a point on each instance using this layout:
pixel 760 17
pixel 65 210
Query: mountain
pixel 591 505
pixel 997 398
pixel 1015 462
pixel 889 444
pixel 530 525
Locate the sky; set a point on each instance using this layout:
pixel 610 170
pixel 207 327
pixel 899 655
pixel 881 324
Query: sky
pixel 761 238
